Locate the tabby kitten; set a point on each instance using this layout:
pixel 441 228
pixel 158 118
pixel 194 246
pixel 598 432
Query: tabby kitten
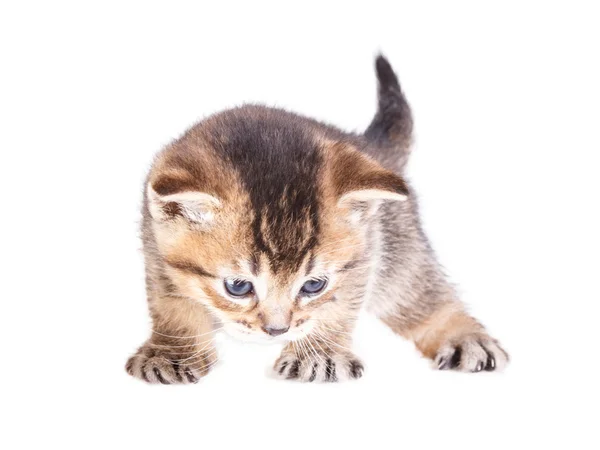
pixel 278 228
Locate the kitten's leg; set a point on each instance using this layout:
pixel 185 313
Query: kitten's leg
pixel 451 338
pixel 180 348
pixel 324 355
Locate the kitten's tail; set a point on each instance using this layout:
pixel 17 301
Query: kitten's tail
pixel 391 128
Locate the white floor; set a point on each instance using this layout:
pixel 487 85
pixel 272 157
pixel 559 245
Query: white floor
pixel 506 166
pixel 546 397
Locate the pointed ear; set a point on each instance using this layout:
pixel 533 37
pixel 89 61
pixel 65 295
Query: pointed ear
pixel 193 206
pixel 357 178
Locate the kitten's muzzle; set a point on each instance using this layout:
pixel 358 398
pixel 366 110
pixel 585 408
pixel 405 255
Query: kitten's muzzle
pixel 273 331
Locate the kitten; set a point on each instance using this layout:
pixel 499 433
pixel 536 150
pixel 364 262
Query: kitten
pixel 276 227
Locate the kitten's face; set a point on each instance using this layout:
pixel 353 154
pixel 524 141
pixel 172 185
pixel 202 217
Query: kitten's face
pixel 263 222
pixel 277 294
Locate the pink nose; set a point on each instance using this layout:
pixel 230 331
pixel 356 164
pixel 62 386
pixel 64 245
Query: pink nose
pixel 275 331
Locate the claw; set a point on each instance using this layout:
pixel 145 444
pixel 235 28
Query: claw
pixel 190 376
pixel 490 364
pixel 294 369
pixel 282 368
pixel 330 371
pixel 159 376
pixel 455 360
pixel 313 375
pixel 356 369
pixel 444 364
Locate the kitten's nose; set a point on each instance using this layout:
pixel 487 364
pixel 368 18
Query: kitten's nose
pixel 275 331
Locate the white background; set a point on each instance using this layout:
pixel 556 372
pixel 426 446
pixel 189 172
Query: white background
pixel 506 102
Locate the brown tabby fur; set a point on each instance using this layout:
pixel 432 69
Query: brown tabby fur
pixel 276 199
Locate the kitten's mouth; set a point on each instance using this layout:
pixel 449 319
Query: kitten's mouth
pixel 243 333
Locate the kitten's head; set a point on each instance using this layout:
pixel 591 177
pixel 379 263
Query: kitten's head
pixel 260 217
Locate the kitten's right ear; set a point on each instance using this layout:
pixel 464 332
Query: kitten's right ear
pixel 357 178
pixel 194 206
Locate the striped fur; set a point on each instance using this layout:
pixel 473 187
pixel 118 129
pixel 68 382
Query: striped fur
pixel 268 197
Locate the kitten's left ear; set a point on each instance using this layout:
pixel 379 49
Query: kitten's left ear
pixel 194 206
pixel 357 178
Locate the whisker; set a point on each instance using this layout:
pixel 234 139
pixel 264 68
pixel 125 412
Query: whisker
pixel 321 337
pixel 321 348
pixel 184 337
pixel 346 318
pixel 203 370
pixel 305 350
pixel 314 351
pixel 300 347
pixel 294 349
pixel 197 353
pixel 327 339
pixel 193 344
pixel 200 355
pixel 337 331
pixel 175 361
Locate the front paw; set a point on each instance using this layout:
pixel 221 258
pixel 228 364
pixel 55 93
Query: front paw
pixel 155 364
pixel 318 367
pixel 474 353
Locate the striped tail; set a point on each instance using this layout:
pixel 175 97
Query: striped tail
pixel 391 128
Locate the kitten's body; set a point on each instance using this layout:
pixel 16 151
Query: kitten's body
pixel 277 200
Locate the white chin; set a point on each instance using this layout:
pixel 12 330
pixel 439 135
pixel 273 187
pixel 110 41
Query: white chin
pixel 245 335
pixel 248 336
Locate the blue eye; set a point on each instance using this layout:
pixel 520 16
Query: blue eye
pixel 238 288
pixel 314 286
